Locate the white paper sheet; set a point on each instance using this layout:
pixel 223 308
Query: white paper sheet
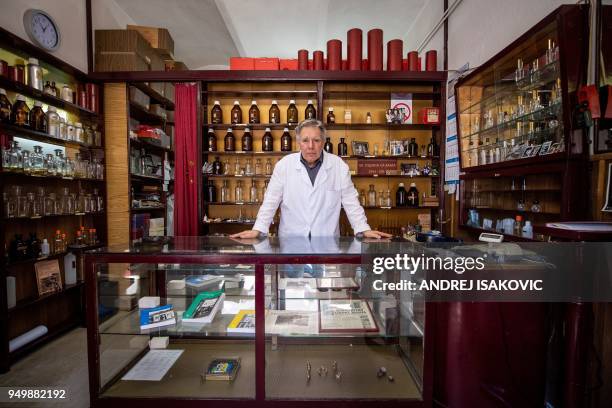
pixel 153 366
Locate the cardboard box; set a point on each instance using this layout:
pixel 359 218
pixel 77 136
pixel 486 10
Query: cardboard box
pixel 125 50
pixel 120 61
pixel 172 65
pixel 288 64
pixel 241 64
pixel 270 64
pixel 429 116
pixel 158 38
pixel 139 97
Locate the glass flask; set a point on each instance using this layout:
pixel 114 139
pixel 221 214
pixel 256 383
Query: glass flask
pixel 253 192
pixel 225 192
pixel 37 161
pixel 50 204
pixel 238 193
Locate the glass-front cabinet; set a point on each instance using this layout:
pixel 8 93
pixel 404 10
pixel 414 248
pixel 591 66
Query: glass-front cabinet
pixel 517 106
pixel 270 321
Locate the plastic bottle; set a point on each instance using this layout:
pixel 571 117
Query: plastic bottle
pixel 44 248
pixel 528 230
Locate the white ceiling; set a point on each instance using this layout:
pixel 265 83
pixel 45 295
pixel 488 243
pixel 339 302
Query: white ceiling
pixel 207 32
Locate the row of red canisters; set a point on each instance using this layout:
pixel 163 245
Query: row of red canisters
pixel 374 61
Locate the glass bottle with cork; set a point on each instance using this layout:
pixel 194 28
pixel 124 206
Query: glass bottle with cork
pixel 371 196
pixel 342 148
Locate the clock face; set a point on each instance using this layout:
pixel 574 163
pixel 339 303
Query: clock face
pixel 41 29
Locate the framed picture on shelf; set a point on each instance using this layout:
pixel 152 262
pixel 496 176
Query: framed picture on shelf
pixel 48 277
pixel 360 148
pixel 345 316
pixel 536 150
pixel 545 148
pixel 528 152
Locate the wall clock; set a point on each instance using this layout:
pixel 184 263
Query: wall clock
pixel 41 29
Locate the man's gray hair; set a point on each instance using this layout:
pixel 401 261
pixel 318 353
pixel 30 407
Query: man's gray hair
pixel 310 123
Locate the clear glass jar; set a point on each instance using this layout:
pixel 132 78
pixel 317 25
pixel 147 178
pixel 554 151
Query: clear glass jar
pixel 40 198
pixel 93 200
pixel 67 202
pixel 50 165
pixel 388 199
pixel 371 196
pixel 362 198
pixel 258 167
pixel 26 161
pixel 60 163
pixel 50 204
pixel 9 206
pixel 53 122
pixel 99 200
pixel 69 168
pixel 37 162
pixel 86 203
pixel 20 201
pixel 381 199
pixel 34 210
pixel 70 132
pixel 238 193
pixel 79 134
pixel 63 129
pixel 248 171
pixel 268 167
pixel 237 168
pixel 88 135
pixel 225 192
pixel 253 198
pixel 15 157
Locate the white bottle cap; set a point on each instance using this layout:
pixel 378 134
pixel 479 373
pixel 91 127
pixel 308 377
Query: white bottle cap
pixel 32 61
pixel 401 184
pixel 78 124
pixel 274 102
pixel 253 102
pixel 528 223
pixel 292 101
pixel 38 104
pixel 412 184
pixel 331 109
pixel 246 129
pixel 286 129
pixel 2 91
pixel 45 239
pixel 51 109
pixel 267 129
pixel 211 130
pixel 217 103
pixel 309 102
pixel 236 103
pixel 69 123
pixel 230 130
pixel 20 98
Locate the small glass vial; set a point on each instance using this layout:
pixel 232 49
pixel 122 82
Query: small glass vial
pixel 238 192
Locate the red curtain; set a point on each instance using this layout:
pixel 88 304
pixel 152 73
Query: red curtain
pixel 186 161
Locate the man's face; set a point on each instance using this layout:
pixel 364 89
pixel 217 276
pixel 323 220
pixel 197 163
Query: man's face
pixel 311 144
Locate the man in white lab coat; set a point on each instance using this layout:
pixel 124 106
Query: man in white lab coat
pixel 310 186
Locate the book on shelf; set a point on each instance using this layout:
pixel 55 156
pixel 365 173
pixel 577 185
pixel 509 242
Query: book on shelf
pixel 345 315
pixel 243 322
pixel 337 283
pixel 157 317
pixel 287 322
pixel 48 277
pixel 222 369
pixel 204 307
pixel 202 281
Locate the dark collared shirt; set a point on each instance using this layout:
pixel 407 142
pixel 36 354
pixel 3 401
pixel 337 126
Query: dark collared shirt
pixel 314 170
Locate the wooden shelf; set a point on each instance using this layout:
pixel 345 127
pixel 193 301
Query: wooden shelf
pixel 30 134
pixel 34 93
pixel 6 220
pixel 397 157
pixel 261 94
pixel 141 144
pixel 34 260
pixel 22 304
pixel 145 179
pixel 421 207
pixel 516 212
pixel 251 126
pixel 246 154
pixel 144 116
pixel 229 223
pixel 374 126
pixel 155 96
pixel 12 174
pixel 379 95
pixel 146 209
pixel 259 176
pixel 509 237
pixel 394 176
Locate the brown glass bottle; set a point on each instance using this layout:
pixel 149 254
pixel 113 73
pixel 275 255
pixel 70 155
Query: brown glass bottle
pixel 311 112
pixel 216 114
pixel 5 107
pixel 20 115
pixel 292 113
pixel 328 147
pixel 274 114
pixel 267 142
pixel 56 92
pixel 254 113
pixel 38 119
pixel 229 141
pixel 236 113
pixel 331 118
pixel 217 166
pixel 342 148
pixel 286 141
pixel 48 89
pixel 211 141
pixel 247 141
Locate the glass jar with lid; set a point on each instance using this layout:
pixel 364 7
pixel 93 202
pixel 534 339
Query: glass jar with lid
pixel 79 135
pixel 26 161
pixel 20 115
pixel 37 161
pixel 9 206
pixel 14 157
pixel 53 122
pixel 51 207
pixel 88 135
pixel 50 169
pixel 60 162
pixel 69 167
pixel 34 210
pixel 70 131
pixel 63 129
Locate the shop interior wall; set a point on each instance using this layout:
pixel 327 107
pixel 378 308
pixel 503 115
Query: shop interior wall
pixel 68 14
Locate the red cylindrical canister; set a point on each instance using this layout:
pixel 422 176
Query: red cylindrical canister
pixel 303 60
pixel 354 49
pixel 334 55
pixel 4 69
pixel 92 94
pixel 20 73
pixel 375 49
pixel 394 55
pixel 431 60
pixel 83 99
pixel 344 65
pixel 317 60
pixel 12 73
pixel 419 65
pixel 413 61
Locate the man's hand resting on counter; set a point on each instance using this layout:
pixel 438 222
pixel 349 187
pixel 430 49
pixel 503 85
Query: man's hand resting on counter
pixel 248 234
pixel 376 234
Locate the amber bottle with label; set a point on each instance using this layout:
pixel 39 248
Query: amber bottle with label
pixel 292 113
pixel 20 115
pixel 286 141
pixel 331 118
pixel 229 141
pixel 216 114
pixel 342 148
pixel 311 112
pixel 5 107
pixel 267 142
pixel 236 113
pixel 274 114
pixel 212 140
pixel 254 113
pixel 38 119
pixel 247 141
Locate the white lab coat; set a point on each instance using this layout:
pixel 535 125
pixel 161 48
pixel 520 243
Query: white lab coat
pixel 307 209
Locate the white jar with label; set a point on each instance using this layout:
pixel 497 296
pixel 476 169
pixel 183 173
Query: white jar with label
pixel 67 94
pixel 53 122
pixel 35 74
pixel 70 132
pixel 79 135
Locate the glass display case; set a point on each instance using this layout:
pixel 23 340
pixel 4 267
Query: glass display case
pixel 267 321
pixel 517 107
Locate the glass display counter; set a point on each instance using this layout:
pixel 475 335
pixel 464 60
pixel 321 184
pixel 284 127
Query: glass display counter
pixel 273 321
